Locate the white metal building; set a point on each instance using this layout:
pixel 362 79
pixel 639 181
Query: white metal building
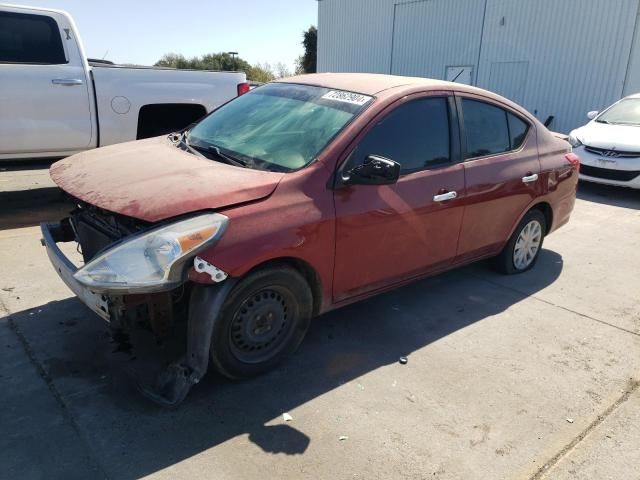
pixel 557 58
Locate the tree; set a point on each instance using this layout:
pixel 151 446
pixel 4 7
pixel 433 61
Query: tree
pixel 260 72
pixel 307 63
pixel 281 70
pixel 173 60
pixel 217 61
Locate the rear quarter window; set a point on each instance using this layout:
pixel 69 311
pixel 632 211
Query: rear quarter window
pixel 518 130
pixel 33 39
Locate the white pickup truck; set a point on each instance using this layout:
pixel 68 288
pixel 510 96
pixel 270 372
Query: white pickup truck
pixel 54 102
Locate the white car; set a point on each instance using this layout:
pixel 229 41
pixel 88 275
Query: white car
pixel 609 145
pixel 55 102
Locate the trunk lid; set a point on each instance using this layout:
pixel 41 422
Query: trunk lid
pixel 152 180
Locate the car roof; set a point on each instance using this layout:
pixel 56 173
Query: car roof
pixel 366 83
pixel 380 85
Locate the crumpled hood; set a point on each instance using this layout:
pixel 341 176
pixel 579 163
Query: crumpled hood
pixel 153 180
pixel 624 138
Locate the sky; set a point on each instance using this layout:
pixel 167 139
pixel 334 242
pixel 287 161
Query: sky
pixel 141 31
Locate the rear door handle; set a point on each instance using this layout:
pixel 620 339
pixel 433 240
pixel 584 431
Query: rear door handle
pixel 443 197
pixel 530 178
pixel 69 82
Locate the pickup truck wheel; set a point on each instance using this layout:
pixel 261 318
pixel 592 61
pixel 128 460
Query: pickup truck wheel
pixel 523 249
pixel 263 320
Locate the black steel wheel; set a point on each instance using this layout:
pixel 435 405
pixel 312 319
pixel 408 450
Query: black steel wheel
pixel 263 320
pixel 261 325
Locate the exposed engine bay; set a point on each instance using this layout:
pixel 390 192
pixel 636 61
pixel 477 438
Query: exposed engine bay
pixel 95 229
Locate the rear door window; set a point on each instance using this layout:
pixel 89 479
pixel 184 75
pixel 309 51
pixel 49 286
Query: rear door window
pixel 486 129
pixel 26 38
pixel 491 130
pixel 415 134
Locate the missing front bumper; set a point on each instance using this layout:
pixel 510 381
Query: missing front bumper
pixel 97 302
pixel 205 303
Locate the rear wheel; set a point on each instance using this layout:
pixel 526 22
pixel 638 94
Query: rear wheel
pixel 522 251
pixel 264 319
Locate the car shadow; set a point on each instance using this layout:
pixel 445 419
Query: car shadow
pixel 133 438
pixel 28 198
pixel 609 195
pixel 26 208
pixel 26 164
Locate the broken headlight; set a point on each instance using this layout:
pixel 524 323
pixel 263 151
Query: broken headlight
pixel 153 260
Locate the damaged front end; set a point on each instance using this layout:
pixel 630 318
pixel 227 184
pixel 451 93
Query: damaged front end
pixel 137 273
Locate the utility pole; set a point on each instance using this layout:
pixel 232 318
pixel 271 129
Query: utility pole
pixel 233 56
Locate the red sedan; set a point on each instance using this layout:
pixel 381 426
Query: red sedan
pixel 299 197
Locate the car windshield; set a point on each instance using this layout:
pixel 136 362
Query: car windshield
pixel 626 112
pixel 279 126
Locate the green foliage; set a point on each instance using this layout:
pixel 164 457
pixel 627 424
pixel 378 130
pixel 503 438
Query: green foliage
pixel 217 61
pixel 299 68
pixel 260 73
pixel 307 63
pixel 280 70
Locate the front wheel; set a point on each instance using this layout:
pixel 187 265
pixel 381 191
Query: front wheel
pixel 523 248
pixel 263 320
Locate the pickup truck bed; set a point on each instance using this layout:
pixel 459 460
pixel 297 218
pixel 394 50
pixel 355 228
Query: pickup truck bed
pixel 165 99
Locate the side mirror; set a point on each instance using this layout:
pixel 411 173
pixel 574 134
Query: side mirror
pixel 592 114
pixel 374 171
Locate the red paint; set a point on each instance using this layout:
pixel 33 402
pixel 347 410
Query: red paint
pixel 243 88
pixel 359 240
pixel 573 159
pixel 153 180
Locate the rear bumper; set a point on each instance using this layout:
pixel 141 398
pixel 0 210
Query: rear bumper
pixel 95 301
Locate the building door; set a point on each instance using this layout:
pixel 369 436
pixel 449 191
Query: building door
pixel 431 35
pixel 509 79
pixel 570 70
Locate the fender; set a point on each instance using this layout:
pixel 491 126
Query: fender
pixel 258 233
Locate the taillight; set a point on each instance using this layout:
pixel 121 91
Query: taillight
pixel 243 88
pixel 573 159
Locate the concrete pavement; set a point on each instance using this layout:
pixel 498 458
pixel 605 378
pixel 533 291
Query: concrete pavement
pixel 532 376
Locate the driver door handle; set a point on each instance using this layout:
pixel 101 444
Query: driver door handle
pixel 67 81
pixel 530 178
pixel 443 197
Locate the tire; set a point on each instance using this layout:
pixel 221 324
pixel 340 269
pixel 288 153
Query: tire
pixel 509 262
pixel 264 319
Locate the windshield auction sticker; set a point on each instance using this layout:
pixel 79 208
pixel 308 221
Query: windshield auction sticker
pixel 346 97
